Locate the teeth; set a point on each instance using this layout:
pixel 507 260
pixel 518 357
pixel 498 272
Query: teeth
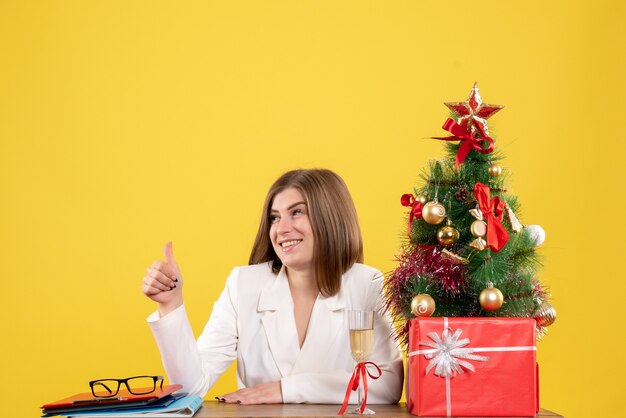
pixel 290 243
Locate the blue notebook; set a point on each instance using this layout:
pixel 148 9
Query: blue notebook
pixel 186 406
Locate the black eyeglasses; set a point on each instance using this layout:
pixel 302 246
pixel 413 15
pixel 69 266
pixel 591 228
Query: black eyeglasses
pixel 137 385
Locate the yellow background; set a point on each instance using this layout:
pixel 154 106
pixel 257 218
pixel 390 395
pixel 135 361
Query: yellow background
pixel 124 124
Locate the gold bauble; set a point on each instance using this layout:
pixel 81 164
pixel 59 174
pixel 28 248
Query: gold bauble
pixel 495 170
pixel 422 305
pixel 491 299
pixel 478 228
pixel 447 236
pixel 433 212
pixel 545 315
pixel 422 198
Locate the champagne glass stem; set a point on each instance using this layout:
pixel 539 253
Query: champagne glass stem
pixel 360 397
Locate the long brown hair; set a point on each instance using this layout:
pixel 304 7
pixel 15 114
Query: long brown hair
pixel 338 241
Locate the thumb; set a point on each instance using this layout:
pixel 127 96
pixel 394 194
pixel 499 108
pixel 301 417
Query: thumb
pixel 169 253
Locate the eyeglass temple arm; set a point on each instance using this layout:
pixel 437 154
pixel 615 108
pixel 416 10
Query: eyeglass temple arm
pixel 100 384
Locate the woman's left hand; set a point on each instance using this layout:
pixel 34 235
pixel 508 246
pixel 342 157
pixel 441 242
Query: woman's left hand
pixel 263 393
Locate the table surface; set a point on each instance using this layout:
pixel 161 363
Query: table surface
pixel 220 409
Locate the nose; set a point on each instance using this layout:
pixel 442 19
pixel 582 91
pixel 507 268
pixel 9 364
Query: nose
pixel 284 225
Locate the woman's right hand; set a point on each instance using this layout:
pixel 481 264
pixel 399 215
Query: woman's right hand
pixel 164 283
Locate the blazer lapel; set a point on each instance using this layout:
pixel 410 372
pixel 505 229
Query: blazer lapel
pixel 326 323
pixel 279 323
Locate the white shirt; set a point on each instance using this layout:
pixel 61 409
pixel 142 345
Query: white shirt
pixel 253 322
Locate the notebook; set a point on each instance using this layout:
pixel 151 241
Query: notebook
pixel 87 402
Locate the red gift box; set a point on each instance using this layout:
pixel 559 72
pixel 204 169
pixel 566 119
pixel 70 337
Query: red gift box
pixel 472 367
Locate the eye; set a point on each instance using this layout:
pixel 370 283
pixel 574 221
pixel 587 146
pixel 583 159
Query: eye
pixel 297 212
pixel 273 219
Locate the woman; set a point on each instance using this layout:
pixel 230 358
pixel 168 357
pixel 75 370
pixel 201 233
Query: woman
pixel 283 317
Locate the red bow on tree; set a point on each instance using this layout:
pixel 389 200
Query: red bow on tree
pixel 416 208
pixel 493 211
pixel 468 140
pixel 360 372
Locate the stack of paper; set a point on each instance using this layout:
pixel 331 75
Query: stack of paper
pixel 185 406
pixel 160 403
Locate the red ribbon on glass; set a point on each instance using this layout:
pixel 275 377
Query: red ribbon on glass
pixel 468 140
pixel 493 211
pixel 360 372
pixel 416 208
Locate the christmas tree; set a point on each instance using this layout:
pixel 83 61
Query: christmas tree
pixel 466 253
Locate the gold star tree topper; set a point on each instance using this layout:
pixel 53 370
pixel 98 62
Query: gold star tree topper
pixel 473 111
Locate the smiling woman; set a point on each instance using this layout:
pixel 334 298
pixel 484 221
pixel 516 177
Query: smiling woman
pixel 331 217
pixel 291 233
pixel 284 316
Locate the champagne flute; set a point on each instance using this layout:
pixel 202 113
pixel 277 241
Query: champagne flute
pixel 361 325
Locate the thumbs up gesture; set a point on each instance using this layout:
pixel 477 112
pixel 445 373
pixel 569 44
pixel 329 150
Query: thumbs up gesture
pixel 163 283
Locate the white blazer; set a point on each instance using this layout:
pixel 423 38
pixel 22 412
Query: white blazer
pixel 253 322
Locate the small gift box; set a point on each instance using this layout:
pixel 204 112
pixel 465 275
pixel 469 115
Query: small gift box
pixel 472 367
